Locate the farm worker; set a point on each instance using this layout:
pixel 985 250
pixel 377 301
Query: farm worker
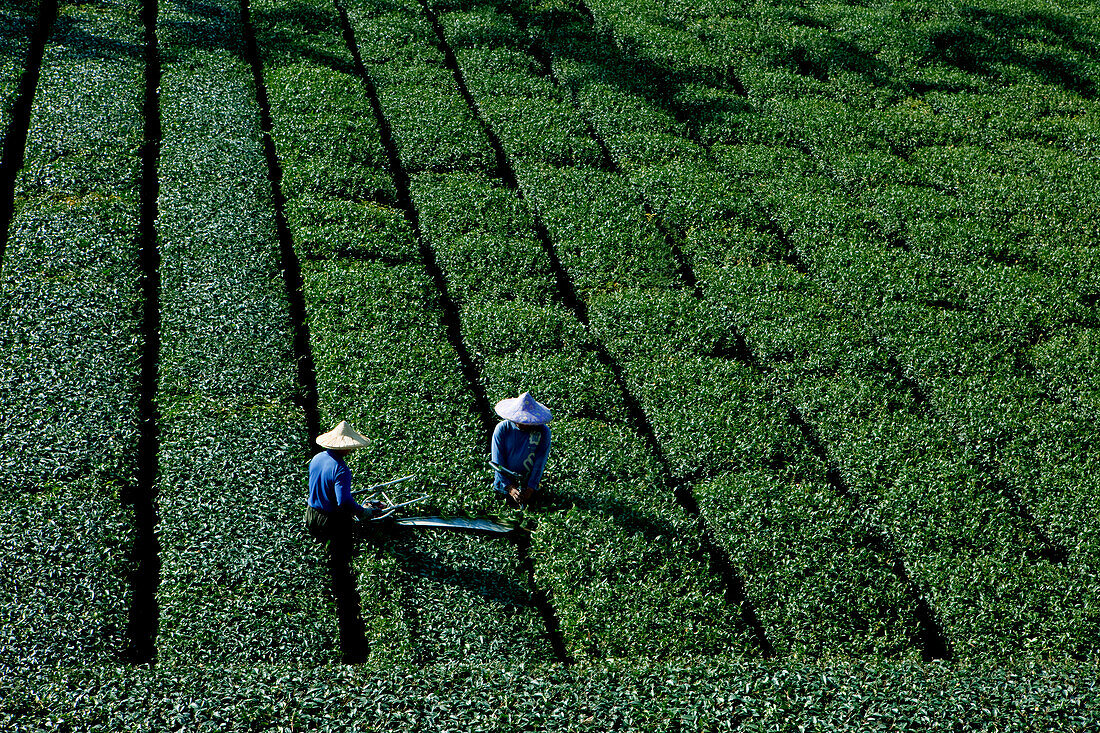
pixel 521 443
pixel 330 511
pixel 331 507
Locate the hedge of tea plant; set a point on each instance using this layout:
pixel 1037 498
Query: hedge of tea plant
pixel 17 21
pixel 784 189
pixel 383 361
pixel 690 694
pixel 432 126
pixel 241 581
pixel 512 322
pixel 667 338
pixel 69 343
pixel 963 134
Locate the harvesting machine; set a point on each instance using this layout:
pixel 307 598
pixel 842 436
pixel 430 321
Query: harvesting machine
pixel 384 510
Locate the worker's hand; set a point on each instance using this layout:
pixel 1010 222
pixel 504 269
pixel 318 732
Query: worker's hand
pixel 372 509
pixel 514 493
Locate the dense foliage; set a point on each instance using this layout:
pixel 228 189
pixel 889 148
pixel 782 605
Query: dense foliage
pixel 16 26
pixel 686 696
pixel 810 287
pixel 68 342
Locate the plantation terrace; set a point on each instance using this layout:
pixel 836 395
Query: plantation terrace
pixel 810 288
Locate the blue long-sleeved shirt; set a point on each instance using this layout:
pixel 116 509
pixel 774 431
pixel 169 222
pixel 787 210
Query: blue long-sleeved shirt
pixel 330 484
pixel 520 451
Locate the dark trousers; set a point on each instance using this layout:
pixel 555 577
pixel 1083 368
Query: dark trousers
pixel 337 531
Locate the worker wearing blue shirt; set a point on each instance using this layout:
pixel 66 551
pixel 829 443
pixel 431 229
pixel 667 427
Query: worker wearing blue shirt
pixel 521 444
pixel 331 507
pixel 330 483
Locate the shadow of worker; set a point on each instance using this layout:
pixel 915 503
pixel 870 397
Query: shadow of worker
pixel 337 533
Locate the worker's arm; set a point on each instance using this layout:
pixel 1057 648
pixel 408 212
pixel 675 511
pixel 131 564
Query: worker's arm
pixel 344 500
pixel 500 482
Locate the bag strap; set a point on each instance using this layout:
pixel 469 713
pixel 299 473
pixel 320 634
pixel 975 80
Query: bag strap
pixel 530 455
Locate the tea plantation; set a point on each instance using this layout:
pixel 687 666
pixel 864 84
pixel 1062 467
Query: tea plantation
pixel 811 287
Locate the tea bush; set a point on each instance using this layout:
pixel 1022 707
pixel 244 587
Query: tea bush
pixel 689 694
pixel 69 345
pixel 432 127
pixel 240 581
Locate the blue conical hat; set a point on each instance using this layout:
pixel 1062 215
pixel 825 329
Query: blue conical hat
pixel 525 410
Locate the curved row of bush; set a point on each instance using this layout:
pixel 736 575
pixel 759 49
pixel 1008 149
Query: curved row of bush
pixel 615 530
pixel 965 139
pixel 891 441
pixel 383 360
pixel 69 345
pixel 691 694
pixel 241 581
pixel 819 588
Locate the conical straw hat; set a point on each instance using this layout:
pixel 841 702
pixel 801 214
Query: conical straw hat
pixel 342 437
pixel 525 410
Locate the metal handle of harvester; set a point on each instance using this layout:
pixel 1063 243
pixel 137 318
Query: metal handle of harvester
pixel 389 508
pixel 376 487
pixel 507 472
pixel 394 507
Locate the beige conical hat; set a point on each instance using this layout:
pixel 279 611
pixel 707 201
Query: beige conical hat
pixel 342 437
